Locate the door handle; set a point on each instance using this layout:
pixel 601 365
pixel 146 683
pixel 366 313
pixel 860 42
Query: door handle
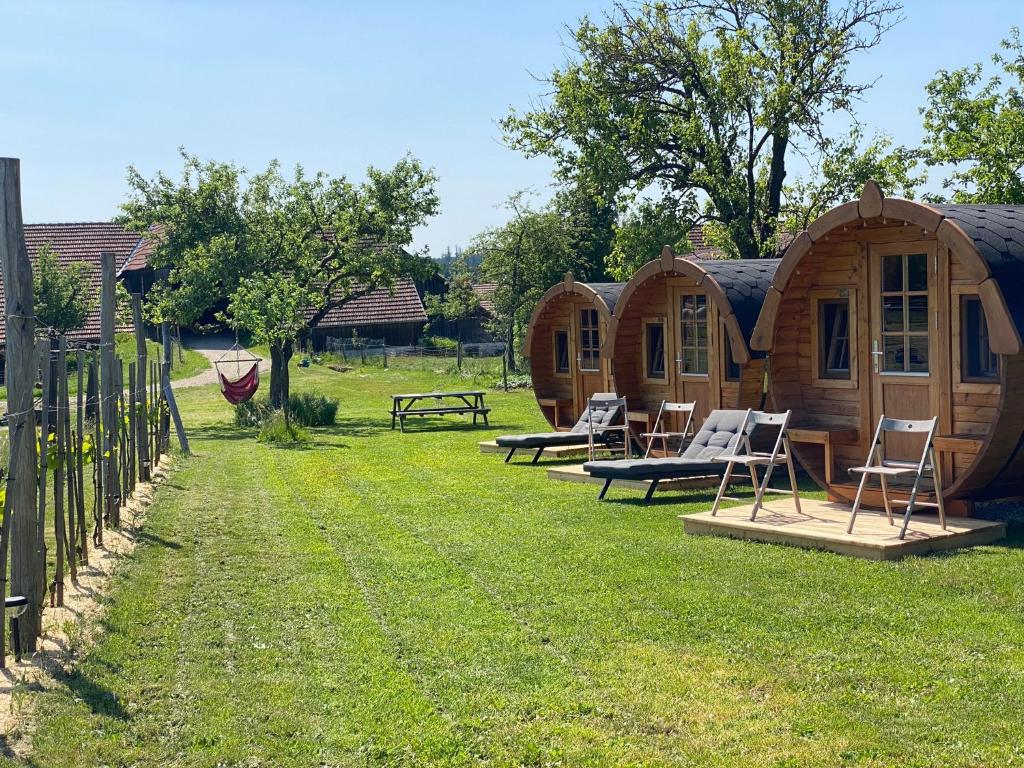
pixel 679 365
pixel 876 353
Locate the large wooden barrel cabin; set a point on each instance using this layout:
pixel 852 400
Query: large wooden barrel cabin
pixel 887 306
pixel 567 346
pixel 681 333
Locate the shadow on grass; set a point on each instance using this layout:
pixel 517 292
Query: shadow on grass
pixel 152 538
pixel 100 700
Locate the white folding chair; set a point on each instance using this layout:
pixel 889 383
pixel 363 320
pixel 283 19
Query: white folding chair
pixel 878 464
pixel 781 453
pixel 605 409
pixel 664 435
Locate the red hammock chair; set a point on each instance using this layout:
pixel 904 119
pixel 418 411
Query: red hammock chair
pixel 241 388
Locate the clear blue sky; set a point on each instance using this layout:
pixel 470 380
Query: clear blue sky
pixel 87 88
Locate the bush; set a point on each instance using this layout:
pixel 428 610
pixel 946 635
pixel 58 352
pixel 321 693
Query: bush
pixel 306 409
pixel 312 410
pixel 515 381
pixel 277 430
pixel 440 342
pixel 252 413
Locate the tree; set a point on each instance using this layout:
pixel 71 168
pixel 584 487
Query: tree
pixel 261 245
pixel 701 103
pixel 590 222
pixel 978 128
pixel 61 293
pixel 642 233
pixel 458 305
pixel 841 176
pixel 524 258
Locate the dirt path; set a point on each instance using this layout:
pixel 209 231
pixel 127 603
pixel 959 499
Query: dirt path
pixel 212 347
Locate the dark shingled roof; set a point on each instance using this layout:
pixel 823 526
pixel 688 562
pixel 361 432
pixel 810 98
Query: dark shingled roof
pixel 379 307
pixel 998 234
pixel 610 292
pixel 745 282
pixel 84 242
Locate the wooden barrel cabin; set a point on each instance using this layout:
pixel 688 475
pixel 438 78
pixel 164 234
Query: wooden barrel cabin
pixel 681 333
pixel 887 306
pixel 566 344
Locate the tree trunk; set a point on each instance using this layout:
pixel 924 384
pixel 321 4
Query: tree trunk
pixel 280 356
pixel 510 351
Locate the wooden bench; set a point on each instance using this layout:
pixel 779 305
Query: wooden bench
pixel 464 402
pixel 556 404
pixel 826 438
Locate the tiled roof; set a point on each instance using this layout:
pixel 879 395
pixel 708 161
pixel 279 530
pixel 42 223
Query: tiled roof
pixel 485 293
pixel 84 242
pixel 998 234
pixel 696 237
pixel 745 282
pixel 401 304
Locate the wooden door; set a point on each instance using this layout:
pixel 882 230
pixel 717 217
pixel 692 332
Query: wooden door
pixel 587 339
pixel 903 336
pixel 695 350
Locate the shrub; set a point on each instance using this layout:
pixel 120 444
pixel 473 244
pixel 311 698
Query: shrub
pixel 252 413
pixel 277 430
pixel 312 410
pixel 440 342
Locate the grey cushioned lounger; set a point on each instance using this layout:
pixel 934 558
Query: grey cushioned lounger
pixel 719 434
pixel 578 435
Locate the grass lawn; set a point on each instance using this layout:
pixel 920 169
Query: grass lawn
pixel 388 599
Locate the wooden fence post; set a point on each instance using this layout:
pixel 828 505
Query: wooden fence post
pixel 83 553
pixel 108 392
pixel 60 540
pixel 165 381
pixel 141 365
pixel 26 575
pixel 43 351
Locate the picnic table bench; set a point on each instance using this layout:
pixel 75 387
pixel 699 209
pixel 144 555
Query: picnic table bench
pixel 461 402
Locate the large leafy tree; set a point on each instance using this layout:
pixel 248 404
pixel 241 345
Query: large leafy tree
pixel 525 257
pixel 275 254
pixel 976 126
pixel 61 292
pixel 458 304
pixel 702 104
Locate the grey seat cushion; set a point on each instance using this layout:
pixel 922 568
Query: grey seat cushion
pixel 603 416
pixel 542 440
pixel 652 469
pixel 718 435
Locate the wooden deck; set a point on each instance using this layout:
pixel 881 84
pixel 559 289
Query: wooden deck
pixel 573 473
pixel 822 525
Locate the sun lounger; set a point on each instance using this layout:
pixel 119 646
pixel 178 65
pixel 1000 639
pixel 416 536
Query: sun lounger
pixel 718 436
pixel 579 435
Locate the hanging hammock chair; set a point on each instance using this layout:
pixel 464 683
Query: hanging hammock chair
pixel 244 385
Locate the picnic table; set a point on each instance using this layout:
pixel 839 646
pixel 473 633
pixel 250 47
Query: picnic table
pixel 403 406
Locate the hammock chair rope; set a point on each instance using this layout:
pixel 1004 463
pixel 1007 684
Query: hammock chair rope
pixel 244 385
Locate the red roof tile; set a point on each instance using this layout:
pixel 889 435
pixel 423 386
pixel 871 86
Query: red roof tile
pixel 84 242
pixel 485 292
pixel 402 304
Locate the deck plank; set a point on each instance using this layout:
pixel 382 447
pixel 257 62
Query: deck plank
pixel 822 525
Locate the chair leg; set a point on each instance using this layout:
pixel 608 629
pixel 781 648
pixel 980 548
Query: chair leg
pixel 910 506
pixel 937 480
pixel 761 490
pixel 885 498
pixel 721 489
pixel 792 482
pixel 856 501
pixel 536 456
pixel 650 491
pixel 511 453
pixel 604 490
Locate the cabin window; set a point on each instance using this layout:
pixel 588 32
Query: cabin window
pixel 732 368
pixel 561 351
pixel 654 349
pixel 905 313
pixel 979 362
pixel 693 334
pixel 590 341
pixel 834 339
